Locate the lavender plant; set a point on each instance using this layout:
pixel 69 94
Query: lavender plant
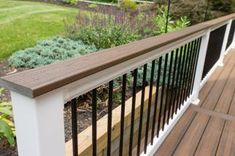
pixel 106 30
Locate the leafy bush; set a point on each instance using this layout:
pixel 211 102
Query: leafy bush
pixel 223 5
pixel 105 31
pixel 72 2
pixel 92 6
pixel 110 36
pixel 173 25
pixel 50 51
pixel 128 5
pixel 195 10
pixel 7 129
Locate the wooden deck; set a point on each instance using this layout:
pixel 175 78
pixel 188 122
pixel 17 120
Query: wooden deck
pixel 208 128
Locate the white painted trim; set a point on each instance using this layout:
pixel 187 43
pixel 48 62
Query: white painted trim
pixel 151 149
pixel 200 65
pixel 39 124
pixel 229 48
pixel 225 40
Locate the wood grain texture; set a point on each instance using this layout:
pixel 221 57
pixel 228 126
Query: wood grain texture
pixel 41 80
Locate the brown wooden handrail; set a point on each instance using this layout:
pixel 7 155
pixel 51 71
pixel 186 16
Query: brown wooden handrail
pixel 36 82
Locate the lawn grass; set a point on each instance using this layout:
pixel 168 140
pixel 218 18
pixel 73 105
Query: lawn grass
pixel 23 23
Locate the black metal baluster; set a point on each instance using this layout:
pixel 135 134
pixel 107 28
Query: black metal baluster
pixel 195 63
pixel 142 108
pixel 185 96
pixel 174 83
pixel 167 104
pixel 149 105
pixel 188 69
pixel 181 78
pixel 167 91
pixel 122 114
pixel 178 79
pixel 162 95
pixel 156 99
pixel 74 126
pixel 94 122
pixel 133 111
pixel 109 126
pixel 191 66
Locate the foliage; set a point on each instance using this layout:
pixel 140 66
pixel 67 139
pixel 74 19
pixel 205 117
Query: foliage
pixel 200 10
pixel 173 25
pixel 105 31
pixel 23 26
pixel 7 129
pixel 223 5
pixel 128 5
pixel 92 6
pixel 50 51
pixel 105 37
pixel 194 10
pixel 72 2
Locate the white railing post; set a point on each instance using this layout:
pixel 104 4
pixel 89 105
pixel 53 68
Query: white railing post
pixel 39 124
pixel 200 67
pixel 223 49
pixel 233 42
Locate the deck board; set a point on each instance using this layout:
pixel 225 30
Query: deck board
pixel 208 128
pixel 180 129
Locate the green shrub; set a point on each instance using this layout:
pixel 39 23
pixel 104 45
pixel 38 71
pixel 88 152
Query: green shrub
pixel 102 31
pixel 50 51
pixel 110 36
pixel 128 5
pixel 72 2
pixel 173 25
pixel 92 6
pixel 193 9
pixel 7 129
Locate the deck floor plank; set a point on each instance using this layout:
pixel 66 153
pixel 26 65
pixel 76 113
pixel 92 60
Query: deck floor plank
pixel 227 142
pixel 208 128
pixel 181 127
pixel 212 81
pixel 189 142
pixel 218 88
pixel 211 137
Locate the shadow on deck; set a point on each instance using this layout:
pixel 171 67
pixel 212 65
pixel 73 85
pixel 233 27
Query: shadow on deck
pixel 208 128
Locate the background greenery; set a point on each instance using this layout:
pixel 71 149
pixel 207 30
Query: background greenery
pixel 196 10
pixel 23 23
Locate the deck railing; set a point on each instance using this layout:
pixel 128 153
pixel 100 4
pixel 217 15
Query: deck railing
pixel 167 72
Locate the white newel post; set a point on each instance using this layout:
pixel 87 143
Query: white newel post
pixel 39 124
pixel 223 49
pixel 200 67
